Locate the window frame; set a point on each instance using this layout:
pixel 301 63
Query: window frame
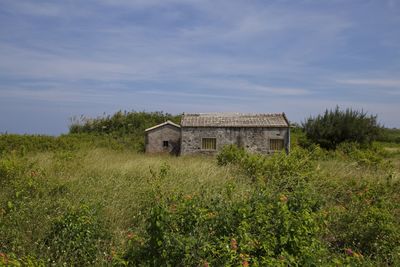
pixel 165 142
pixel 213 143
pixel 272 147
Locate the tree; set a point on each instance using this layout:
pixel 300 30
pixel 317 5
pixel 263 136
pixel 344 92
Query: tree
pixel 337 126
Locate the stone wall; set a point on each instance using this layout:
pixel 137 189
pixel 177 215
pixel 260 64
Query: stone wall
pixel 252 139
pixel 154 140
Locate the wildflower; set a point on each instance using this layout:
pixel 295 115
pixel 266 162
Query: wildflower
pixel 349 251
pixel 205 264
pixel 130 235
pixel 357 255
pixel 113 253
pixel 283 198
pixel 211 215
pixel 3 258
pixel 173 208
pixel 188 197
pixel 233 244
pixel 245 263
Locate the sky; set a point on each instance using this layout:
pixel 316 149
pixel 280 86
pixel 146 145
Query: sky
pixel 60 59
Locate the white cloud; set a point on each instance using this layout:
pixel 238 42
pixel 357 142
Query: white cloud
pixel 250 88
pixel 260 56
pixel 372 82
pixel 36 8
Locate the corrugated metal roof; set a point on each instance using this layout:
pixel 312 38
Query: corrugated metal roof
pixel 234 120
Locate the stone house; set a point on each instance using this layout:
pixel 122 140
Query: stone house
pixel 163 138
pixel 207 133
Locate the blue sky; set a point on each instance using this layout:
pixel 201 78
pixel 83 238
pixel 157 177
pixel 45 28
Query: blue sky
pixel 60 59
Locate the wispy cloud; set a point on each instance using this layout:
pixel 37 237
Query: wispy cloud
pixel 233 54
pixel 372 82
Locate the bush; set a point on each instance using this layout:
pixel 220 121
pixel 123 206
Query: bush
pixel 264 229
pixel 121 123
pixel 278 167
pixel 366 224
pixel 77 238
pixel 12 260
pixel 11 167
pixel 372 156
pixel 23 144
pixel 337 126
pixel 230 154
pixel 390 135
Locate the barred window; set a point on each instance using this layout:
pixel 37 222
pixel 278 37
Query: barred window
pixel 276 144
pixel 209 143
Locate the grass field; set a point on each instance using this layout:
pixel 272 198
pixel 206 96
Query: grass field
pixel 102 206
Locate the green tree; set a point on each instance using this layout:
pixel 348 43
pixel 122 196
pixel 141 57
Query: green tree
pixel 338 126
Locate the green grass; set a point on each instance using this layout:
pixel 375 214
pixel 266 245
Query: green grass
pixel 120 181
pixel 40 190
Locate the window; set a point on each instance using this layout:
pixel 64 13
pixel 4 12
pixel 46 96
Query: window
pixel 209 143
pixel 276 144
pixel 165 144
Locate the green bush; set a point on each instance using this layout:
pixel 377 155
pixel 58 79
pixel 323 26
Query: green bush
pixel 390 135
pixel 21 204
pixel 77 238
pixel 337 126
pixel 11 167
pixel 23 144
pixel 12 260
pixel 230 154
pixel 372 156
pixel 279 167
pixel 121 123
pixel 367 225
pixel 263 229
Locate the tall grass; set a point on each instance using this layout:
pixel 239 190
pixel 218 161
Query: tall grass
pixel 49 198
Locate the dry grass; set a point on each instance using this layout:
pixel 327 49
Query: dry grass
pixel 121 182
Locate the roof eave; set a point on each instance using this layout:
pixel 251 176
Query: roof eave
pixel 286 119
pixel 236 126
pixel 163 124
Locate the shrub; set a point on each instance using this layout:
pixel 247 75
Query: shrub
pixel 366 224
pixel 372 156
pixel 390 135
pixel 11 167
pixel 278 167
pixel 120 123
pixel 230 154
pixel 12 260
pixel 263 229
pixel 337 126
pixel 77 237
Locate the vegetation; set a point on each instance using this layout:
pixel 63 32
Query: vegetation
pixel 121 123
pixel 87 199
pixel 390 135
pixel 336 126
pixel 123 130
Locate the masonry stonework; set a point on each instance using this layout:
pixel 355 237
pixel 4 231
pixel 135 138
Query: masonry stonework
pixel 208 133
pixel 155 138
pixel 253 139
